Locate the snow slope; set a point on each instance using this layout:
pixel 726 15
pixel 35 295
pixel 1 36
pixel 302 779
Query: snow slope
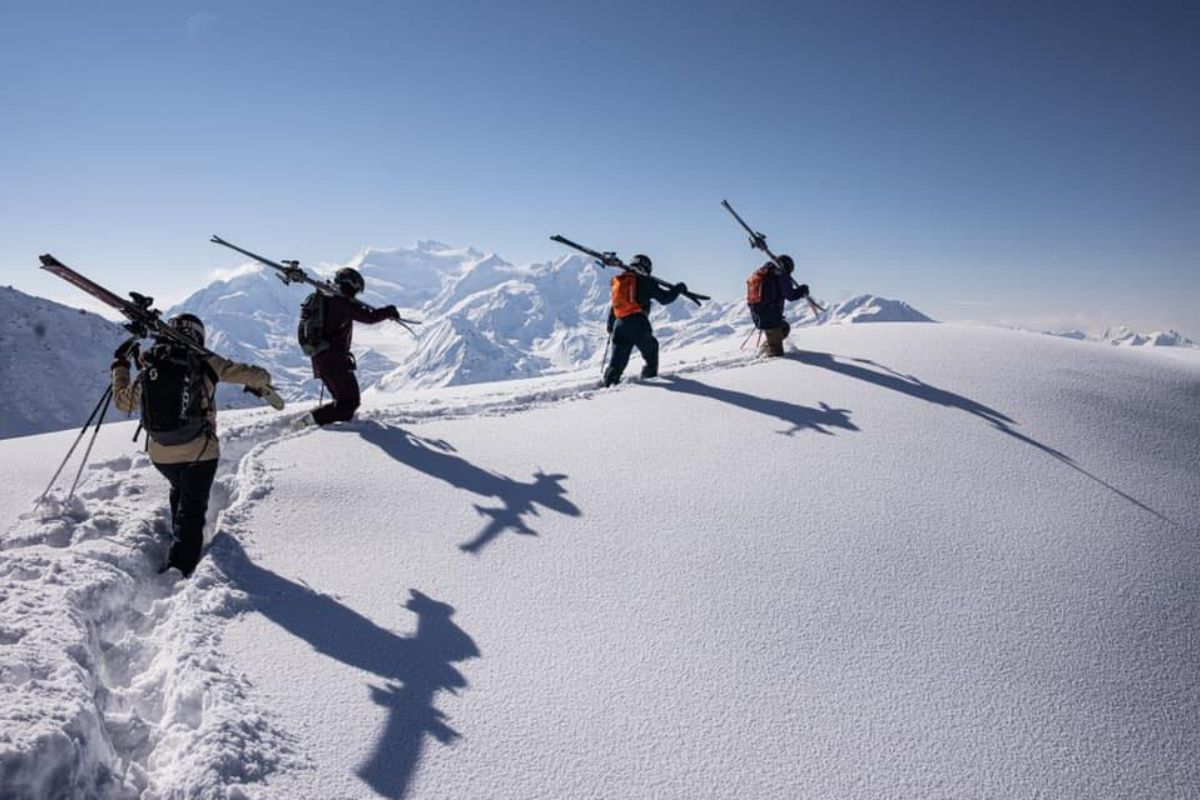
pixel 911 561
pixel 53 363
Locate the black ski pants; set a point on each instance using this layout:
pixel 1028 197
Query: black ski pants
pixel 190 482
pixel 628 333
pixel 343 388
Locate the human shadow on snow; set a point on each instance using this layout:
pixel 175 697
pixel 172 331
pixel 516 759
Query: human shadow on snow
pixel 437 459
pixel 413 668
pixel 801 418
pixel 912 386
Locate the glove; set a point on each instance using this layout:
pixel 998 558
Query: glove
pixel 608 326
pixel 680 287
pixel 123 353
pixel 390 312
pixel 803 290
pixel 127 347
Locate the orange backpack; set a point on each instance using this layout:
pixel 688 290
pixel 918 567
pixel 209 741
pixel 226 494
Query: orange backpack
pixel 624 296
pixel 760 286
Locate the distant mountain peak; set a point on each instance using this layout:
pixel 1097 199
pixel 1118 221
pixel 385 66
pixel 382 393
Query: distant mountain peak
pixel 871 308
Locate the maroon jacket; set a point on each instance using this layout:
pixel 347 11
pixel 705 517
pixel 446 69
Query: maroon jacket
pixel 340 316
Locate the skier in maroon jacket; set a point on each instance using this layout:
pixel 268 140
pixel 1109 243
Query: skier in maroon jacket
pixel 334 364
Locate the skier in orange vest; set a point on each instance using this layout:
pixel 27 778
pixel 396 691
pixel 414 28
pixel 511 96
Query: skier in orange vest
pixel 629 321
pixel 767 289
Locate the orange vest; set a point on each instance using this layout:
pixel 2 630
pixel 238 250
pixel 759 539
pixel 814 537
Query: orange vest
pixel 624 296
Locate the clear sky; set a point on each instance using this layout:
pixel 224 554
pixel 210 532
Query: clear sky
pixel 1027 162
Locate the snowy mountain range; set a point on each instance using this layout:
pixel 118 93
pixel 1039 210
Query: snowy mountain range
pixel 487 319
pixel 53 363
pixel 1124 336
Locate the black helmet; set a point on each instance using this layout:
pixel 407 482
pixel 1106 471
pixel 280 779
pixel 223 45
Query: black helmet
pixel 641 262
pixel 788 265
pixel 348 281
pixel 190 326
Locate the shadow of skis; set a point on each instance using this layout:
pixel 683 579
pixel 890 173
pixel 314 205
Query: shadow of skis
pixel 438 459
pixel 910 385
pixel 801 418
pixel 412 716
pixel 414 669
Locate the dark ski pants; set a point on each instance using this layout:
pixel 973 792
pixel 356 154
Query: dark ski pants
pixel 343 388
pixel 190 485
pixel 628 333
pixel 775 337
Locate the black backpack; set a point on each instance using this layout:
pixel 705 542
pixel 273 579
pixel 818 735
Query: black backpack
pixel 311 331
pixel 175 400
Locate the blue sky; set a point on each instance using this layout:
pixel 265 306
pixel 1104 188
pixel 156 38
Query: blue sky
pixel 1033 163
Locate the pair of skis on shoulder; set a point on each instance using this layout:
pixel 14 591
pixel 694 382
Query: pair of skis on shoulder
pixel 608 258
pixel 758 241
pixel 290 272
pixel 143 319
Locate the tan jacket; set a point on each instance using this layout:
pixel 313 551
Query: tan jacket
pixel 127 395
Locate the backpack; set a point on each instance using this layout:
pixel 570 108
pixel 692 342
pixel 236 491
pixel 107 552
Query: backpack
pixel 174 398
pixel 624 296
pixel 311 331
pixel 762 289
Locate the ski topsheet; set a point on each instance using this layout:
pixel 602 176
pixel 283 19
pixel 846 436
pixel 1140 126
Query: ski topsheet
pixel 290 272
pixel 609 259
pixel 144 319
pixel 759 242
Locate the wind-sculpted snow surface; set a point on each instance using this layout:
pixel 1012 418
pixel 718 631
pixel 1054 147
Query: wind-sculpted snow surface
pixel 113 682
pixel 905 561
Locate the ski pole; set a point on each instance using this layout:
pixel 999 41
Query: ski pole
pixel 746 341
pixel 103 399
pixel 604 361
pixel 88 452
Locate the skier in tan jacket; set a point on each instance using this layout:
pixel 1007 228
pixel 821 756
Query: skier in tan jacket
pixel 174 394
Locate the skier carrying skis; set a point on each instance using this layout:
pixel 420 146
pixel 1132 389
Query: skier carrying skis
pixel 173 393
pixel 326 329
pixel 767 289
pixel 629 321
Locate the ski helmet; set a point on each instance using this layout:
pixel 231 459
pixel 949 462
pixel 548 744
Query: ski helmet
pixel 190 326
pixel 787 264
pixel 349 281
pixel 641 262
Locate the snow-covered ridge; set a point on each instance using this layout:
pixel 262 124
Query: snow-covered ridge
pixel 1124 336
pixel 53 363
pixel 443 594
pixel 870 308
